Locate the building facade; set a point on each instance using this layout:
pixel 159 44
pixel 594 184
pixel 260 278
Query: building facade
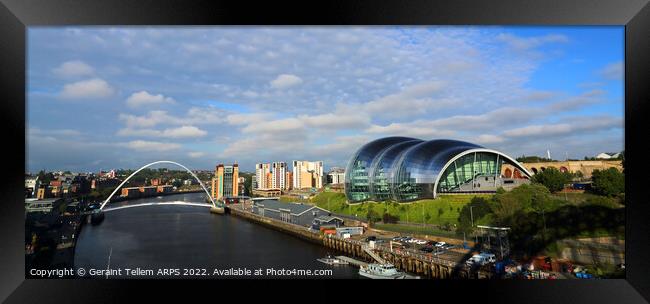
pixel 225 181
pixel 336 177
pixel 584 167
pixel 288 180
pixel 279 174
pixel 295 213
pixel 307 174
pixel 32 183
pixel 262 173
pixel 407 169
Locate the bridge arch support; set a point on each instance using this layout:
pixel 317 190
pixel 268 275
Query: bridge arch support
pixel 155 163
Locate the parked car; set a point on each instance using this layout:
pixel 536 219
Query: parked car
pixel 440 244
pixel 448 246
pixel 420 242
pixel 371 238
pixel 426 249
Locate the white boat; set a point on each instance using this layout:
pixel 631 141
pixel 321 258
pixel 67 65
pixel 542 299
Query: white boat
pixel 382 271
pixel 330 260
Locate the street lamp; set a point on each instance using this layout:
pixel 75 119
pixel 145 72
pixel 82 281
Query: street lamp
pixel 471 214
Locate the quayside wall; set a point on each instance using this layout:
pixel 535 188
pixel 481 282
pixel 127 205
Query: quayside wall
pixel 421 265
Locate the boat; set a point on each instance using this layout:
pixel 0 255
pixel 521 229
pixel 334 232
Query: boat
pixel 383 271
pixel 330 260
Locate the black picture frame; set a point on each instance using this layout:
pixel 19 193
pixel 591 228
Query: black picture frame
pixel 17 15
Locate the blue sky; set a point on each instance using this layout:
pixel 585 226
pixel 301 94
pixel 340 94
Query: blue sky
pixel 106 97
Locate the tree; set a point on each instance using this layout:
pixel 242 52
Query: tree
pixel 552 179
pixel 177 183
pixel 390 219
pixel 372 216
pixel 477 208
pixel 579 175
pixel 608 182
pixel 533 159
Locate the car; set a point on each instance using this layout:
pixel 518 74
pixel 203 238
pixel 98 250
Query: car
pixel 431 243
pixel 426 249
pixel 371 238
pixel 448 246
pixel 440 244
pixel 420 242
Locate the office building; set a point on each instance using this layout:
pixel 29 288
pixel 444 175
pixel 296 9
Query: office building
pixel 225 181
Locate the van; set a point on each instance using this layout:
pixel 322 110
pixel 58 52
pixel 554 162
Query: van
pixel 481 259
pixel 488 258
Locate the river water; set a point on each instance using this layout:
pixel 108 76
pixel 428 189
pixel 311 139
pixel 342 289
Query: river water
pixel 194 243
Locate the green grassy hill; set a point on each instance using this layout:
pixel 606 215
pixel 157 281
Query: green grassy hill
pixel 444 209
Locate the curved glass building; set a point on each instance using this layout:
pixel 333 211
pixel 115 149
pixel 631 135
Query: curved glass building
pixel 406 169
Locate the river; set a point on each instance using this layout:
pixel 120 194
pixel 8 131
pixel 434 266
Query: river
pixel 191 241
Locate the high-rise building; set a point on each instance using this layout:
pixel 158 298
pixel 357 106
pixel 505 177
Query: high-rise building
pixel 307 174
pixel 225 181
pixel 268 180
pixel 288 180
pixel 261 174
pixel 278 178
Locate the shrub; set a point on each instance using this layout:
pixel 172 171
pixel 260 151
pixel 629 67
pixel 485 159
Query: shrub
pixel 552 179
pixel 390 219
pixel 602 201
pixel 608 182
pixel 479 208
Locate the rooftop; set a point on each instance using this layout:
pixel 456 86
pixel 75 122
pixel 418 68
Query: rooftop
pixel 295 208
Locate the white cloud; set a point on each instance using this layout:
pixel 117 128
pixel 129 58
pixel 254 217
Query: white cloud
pixel 576 102
pixel 184 131
pixel 284 81
pixel 54 132
pixel 144 98
pixel 151 119
pixel 412 99
pixel 93 88
pixel 245 119
pixel 195 116
pixel 73 68
pixel 145 146
pixel 575 126
pixel 196 154
pixel 613 71
pixel 489 139
pixel 180 132
pixel 273 126
pixel 332 121
pixel 527 43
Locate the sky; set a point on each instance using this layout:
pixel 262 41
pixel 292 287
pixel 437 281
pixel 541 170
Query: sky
pixel 121 97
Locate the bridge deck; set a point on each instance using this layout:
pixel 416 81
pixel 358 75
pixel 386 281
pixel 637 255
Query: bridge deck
pixel 158 203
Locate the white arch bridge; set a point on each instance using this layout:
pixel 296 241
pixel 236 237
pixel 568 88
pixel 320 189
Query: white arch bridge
pixel 214 204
